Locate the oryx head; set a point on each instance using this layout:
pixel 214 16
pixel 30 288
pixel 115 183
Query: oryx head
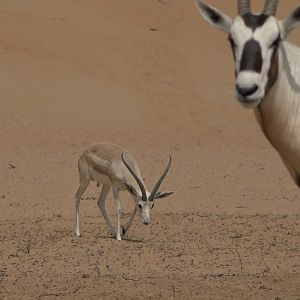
pixel 254 39
pixel 144 199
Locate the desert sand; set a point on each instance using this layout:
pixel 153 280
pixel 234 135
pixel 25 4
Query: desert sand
pixel 151 76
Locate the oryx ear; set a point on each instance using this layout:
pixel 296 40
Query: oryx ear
pixel 292 21
pixel 160 195
pixel 214 17
pixel 131 189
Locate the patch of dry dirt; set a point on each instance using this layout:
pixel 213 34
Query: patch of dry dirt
pixel 181 256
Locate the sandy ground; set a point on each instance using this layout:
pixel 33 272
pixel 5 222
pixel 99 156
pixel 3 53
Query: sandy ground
pixel 152 76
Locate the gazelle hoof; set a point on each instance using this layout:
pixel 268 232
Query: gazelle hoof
pixel 123 230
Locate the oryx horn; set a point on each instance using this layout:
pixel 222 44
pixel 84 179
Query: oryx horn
pixel 270 7
pixel 139 182
pixel 160 180
pixel 244 7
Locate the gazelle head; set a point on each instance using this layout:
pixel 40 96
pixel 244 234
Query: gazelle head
pixel 255 40
pixel 144 199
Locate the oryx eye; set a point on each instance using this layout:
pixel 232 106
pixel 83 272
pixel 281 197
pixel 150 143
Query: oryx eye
pixel 152 205
pixel 232 42
pixel 275 43
pixel 140 206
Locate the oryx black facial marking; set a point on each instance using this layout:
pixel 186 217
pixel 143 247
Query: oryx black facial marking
pixel 251 58
pixel 276 42
pixel 254 21
pixel 273 72
pixel 233 46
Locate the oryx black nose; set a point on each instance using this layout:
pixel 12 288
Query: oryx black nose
pixel 246 91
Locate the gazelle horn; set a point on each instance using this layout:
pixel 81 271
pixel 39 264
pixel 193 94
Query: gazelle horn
pixel 160 180
pixel 137 179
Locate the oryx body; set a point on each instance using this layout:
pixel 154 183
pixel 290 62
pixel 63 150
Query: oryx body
pixel 115 169
pixel 267 70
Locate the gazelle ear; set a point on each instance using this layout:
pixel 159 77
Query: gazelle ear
pixel 214 17
pixel 160 195
pixel 131 189
pixel 292 21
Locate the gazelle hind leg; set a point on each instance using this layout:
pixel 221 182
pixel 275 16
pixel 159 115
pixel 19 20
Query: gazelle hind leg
pixel 85 178
pixel 82 187
pixel 101 204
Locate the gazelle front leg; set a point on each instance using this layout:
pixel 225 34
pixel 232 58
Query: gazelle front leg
pixel 128 224
pixel 101 204
pixel 119 211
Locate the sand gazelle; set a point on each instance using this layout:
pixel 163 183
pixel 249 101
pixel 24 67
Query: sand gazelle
pixel 114 168
pixel 267 70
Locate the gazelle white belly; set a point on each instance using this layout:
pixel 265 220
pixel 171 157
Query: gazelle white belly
pixel 100 178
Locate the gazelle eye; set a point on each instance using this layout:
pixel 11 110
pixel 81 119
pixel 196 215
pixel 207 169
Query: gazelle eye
pixel 140 206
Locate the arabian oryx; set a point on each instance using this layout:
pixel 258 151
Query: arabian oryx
pixel 267 70
pixel 114 168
